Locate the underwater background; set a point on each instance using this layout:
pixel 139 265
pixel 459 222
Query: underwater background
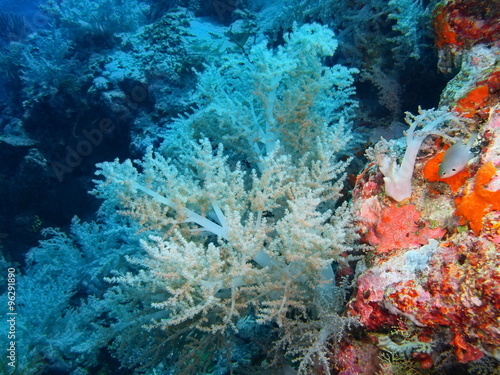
pixel 250 187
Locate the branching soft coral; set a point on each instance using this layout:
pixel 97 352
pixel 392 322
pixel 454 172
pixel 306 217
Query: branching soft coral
pixel 286 200
pixel 248 103
pixel 250 229
pixel 273 244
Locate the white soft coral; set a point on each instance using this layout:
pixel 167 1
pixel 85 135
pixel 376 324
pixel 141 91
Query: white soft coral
pixel 397 177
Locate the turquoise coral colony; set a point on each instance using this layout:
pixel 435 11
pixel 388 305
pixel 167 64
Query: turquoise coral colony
pixel 276 187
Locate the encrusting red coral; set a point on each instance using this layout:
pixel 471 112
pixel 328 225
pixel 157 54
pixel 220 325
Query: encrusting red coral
pixel 367 304
pixel 466 22
pixel 400 227
pixel 356 358
pixel 461 291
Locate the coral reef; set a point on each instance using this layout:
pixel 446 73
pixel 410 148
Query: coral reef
pixel 422 287
pixel 252 221
pixel 439 292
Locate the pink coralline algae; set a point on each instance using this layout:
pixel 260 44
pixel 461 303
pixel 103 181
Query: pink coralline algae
pixel 399 227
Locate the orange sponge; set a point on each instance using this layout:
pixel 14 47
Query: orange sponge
pixel 479 201
pixel 431 170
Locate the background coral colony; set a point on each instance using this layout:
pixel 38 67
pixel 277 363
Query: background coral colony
pixel 250 187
